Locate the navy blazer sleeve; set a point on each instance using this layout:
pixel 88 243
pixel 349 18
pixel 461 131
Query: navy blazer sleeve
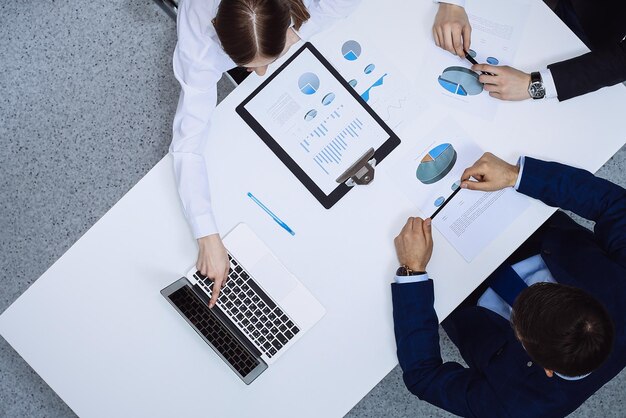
pixel 584 194
pixel 590 72
pixel 449 385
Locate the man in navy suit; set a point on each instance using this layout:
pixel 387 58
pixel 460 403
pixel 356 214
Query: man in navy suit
pixel 549 330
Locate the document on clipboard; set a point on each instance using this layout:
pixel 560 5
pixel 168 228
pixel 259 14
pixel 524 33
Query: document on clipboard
pixel 318 126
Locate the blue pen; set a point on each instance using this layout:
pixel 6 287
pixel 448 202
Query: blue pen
pixel 269 212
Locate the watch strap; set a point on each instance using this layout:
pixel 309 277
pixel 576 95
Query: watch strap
pixel 405 271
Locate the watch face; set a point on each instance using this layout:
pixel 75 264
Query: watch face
pixel 536 90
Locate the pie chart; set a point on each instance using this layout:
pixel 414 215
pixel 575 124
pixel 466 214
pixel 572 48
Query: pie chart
pixel 436 164
pixel 308 83
pixel 328 99
pixel 461 81
pixel 310 115
pixel 351 50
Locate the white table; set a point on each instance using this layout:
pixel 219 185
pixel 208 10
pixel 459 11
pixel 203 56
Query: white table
pixel 110 345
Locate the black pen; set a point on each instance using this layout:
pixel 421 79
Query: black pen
pixel 474 62
pixel 445 203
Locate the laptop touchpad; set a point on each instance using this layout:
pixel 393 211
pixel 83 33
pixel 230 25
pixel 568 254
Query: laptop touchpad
pixel 274 277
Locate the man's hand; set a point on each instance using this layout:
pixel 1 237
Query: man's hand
pixel 213 263
pixel 414 245
pixel 507 83
pixel 452 30
pixel 491 173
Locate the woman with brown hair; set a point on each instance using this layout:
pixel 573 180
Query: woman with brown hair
pixel 214 37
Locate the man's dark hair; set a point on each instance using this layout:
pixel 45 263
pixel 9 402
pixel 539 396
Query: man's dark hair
pixel 563 328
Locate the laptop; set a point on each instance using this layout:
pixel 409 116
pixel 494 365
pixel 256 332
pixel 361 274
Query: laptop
pixel 261 311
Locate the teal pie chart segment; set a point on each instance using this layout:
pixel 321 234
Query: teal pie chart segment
pixel 460 81
pixel 309 83
pixel 436 164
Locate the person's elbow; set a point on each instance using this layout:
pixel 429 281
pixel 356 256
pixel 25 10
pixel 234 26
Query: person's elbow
pixel 418 378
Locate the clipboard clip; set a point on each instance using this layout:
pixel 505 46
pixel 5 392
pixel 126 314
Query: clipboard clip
pixel 361 172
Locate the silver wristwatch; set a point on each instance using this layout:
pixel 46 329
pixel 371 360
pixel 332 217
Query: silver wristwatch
pixel 536 88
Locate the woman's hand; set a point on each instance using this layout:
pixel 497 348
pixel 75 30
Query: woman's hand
pixel 213 263
pixel 452 30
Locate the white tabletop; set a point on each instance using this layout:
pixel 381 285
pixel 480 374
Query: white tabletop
pixel 95 327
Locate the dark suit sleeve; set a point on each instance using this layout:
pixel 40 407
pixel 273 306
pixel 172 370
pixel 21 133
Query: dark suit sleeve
pixel 449 385
pixel 584 194
pixel 590 72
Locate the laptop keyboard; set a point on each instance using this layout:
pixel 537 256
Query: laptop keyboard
pixel 220 337
pixel 248 306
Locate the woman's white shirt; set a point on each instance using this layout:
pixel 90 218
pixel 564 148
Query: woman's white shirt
pixel 199 62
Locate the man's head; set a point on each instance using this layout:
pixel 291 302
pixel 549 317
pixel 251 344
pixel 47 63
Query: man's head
pixel 562 328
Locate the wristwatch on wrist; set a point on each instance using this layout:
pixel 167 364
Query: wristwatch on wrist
pixel 405 271
pixel 536 88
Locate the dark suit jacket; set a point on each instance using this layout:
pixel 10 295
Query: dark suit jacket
pixel 502 381
pixel 604 25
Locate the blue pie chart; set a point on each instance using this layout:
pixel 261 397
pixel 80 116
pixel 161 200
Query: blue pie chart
pixel 461 81
pixel 369 69
pixel 308 83
pixel 351 50
pixel 328 99
pixel 353 82
pixel 493 61
pixel 310 115
pixel 436 164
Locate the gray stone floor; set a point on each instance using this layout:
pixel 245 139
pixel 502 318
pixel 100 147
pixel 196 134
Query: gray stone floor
pixel 87 98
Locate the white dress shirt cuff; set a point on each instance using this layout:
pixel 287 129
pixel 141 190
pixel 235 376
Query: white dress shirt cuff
pixel 203 225
pixel 456 2
pixel 548 83
pixel 411 279
pixel 520 163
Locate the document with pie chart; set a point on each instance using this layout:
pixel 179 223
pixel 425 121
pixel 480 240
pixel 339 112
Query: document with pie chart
pixel 495 37
pixel 369 71
pixel 430 175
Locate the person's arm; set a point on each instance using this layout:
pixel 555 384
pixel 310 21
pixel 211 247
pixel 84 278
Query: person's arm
pixel 563 80
pixel 198 64
pixel 586 195
pixel 324 13
pixel 447 385
pixel 560 186
pixel 452 30
pixel 590 72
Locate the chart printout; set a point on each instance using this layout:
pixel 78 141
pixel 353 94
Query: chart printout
pixel 316 120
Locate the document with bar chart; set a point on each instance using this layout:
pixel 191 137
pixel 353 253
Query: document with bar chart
pixel 309 113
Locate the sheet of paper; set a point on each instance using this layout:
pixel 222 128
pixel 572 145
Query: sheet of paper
pixel 382 85
pixel 316 120
pixel 495 38
pixel 471 220
pixel 430 174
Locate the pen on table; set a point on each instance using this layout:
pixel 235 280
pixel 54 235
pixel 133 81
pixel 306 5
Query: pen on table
pixel 474 62
pixel 445 203
pixel 269 212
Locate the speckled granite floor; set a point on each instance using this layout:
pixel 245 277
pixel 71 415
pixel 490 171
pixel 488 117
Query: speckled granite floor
pixel 87 98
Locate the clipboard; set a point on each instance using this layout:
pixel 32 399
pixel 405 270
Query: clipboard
pixel 318 126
